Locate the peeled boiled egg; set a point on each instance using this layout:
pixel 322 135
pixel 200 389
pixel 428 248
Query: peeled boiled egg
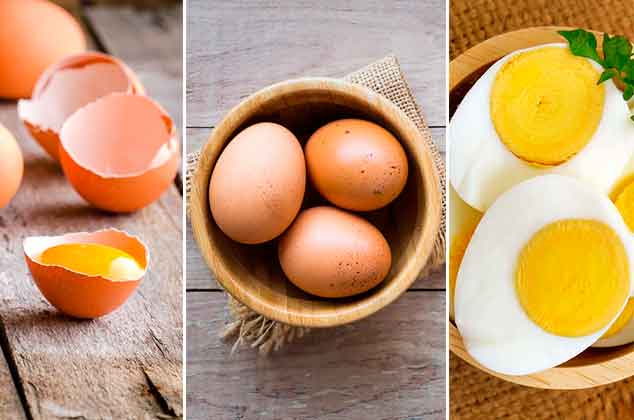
pixel 534 112
pixel 33 35
pixel 356 164
pixel 463 223
pixel 257 185
pixel 11 166
pixel 545 275
pixel 67 86
pixel 87 275
pixel 120 152
pixel 331 253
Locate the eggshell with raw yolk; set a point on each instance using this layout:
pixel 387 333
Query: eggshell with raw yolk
pixel 33 35
pixel 68 85
pixel 120 152
pixel 77 294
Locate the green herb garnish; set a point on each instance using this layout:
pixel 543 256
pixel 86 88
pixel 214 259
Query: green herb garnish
pixel 617 59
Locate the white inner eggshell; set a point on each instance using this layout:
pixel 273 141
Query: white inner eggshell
pixel 494 326
pixel 482 168
pixel 70 89
pixel 119 135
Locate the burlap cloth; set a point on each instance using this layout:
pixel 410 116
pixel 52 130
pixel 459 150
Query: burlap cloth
pixel 386 78
pixel 474 394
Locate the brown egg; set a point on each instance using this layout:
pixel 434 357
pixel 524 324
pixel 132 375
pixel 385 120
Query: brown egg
pixel 33 35
pixel 11 166
pixel 331 253
pixel 258 183
pixel 356 164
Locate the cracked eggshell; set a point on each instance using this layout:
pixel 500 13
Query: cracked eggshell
pixel 11 166
pixel 77 294
pixel 67 86
pixel 120 153
pixel 33 35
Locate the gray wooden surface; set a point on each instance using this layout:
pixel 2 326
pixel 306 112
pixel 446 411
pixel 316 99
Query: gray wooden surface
pixel 124 365
pixel 390 366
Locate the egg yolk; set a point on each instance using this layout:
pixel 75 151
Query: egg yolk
pixel 573 277
pixel 546 105
pixel 457 249
pixel 624 202
pixel 94 260
pixel 622 320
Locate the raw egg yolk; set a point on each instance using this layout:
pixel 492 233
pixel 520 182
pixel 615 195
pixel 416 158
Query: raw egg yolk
pixel 94 260
pixel 622 320
pixel 457 250
pixel 572 277
pixel 546 105
pixel 625 203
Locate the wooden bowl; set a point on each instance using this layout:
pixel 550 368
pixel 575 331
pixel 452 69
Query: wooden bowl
pixel 594 366
pixel 251 273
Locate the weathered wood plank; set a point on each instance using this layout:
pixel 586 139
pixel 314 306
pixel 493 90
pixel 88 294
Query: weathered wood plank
pixel 150 41
pixel 236 48
pixel 390 366
pixel 127 364
pixel 198 274
pixel 10 405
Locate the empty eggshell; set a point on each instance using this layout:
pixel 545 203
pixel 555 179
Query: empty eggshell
pixel 332 253
pixel 120 152
pixel 33 35
pixel 77 294
pixel 68 85
pixel 11 166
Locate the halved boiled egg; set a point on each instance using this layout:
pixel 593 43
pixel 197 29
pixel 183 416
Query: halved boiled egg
pixel 534 112
pixel 463 220
pixel 120 152
pixel 67 86
pixel 545 275
pixel 87 275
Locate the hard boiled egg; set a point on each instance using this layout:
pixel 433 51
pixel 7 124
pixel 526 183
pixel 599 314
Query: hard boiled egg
pixel 545 275
pixel 534 112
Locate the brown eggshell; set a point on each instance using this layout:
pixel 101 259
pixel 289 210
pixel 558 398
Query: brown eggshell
pixel 33 35
pixel 77 294
pixel 331 253
pixel 68 85
pixel 120 152
pixel 258 183
pixel 11 166
pixel 356 164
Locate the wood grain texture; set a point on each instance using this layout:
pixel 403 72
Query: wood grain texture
pixel 125 365
pixel 593 367
pixel 151 43
pixel 384 367
pixel 236 48
pixel 10 405
pixel 200 277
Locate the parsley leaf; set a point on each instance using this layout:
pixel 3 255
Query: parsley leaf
pixel 617 51
pixel 582 44
pixel 607 75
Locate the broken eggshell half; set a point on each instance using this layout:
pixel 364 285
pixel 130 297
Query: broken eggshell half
pixel 67 86
pixel 120 153
pixel 80 295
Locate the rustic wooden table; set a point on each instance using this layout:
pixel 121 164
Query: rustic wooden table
pixel 390 366
pixel 128 364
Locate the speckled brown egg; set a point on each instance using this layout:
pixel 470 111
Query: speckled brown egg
pixel 356 164
pixel 331 253
pixel 257 185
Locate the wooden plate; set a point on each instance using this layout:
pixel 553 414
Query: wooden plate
pixel 252 274
pixel 594 366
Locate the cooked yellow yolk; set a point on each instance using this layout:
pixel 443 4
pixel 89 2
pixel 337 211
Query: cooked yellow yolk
pixel 457 249
pixel 573 277
pixel 546 105
pixel 94 260
pixel 622 320
pixel 624 201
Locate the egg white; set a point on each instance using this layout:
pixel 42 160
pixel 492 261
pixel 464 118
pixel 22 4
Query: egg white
pixel 482 168
pixel 495 329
